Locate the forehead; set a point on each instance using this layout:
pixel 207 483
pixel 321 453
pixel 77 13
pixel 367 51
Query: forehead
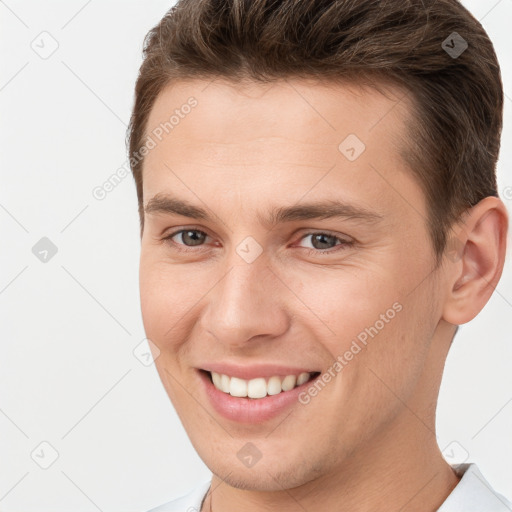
pixel 304 108
pixel 290 132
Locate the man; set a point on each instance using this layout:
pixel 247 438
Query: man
pixel 318 206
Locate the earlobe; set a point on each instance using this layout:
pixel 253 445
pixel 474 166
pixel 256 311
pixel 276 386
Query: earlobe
pixel 474 260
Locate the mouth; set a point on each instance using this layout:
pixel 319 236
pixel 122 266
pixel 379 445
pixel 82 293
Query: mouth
pixel 254 394
pixel 259 387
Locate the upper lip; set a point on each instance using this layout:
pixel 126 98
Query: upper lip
pixel 248 372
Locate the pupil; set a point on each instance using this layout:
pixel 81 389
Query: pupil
pixel 322 237
pixel 195 238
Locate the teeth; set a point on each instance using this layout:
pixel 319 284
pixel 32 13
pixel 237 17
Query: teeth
pixel 224 383
pixel 259 387
pixel 237 387
pixel 303 377
pixel 289 382
pixel 274 385
pixel 217 379
pixel 256 388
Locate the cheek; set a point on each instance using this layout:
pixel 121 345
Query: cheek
pixel 387 370
pixel 167 294
pixel 347 302
pixel 367 323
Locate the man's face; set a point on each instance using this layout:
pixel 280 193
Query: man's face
pixel 236 293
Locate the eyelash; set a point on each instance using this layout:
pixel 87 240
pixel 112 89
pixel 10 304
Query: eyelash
pixel 341 246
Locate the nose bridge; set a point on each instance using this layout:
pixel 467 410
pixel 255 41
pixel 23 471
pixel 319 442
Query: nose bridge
pixel 244 303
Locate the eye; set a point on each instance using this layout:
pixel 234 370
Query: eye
pixel 189 238
pixel 322 242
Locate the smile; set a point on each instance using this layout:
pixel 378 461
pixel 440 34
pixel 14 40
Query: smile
pixel 259 387
pixel 254 394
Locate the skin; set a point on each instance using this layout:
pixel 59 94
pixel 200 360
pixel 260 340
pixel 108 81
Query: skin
pixel 368 437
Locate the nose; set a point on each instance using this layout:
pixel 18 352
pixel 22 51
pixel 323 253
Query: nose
pixel 248 302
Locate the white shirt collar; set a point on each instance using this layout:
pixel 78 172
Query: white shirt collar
pixel 474 493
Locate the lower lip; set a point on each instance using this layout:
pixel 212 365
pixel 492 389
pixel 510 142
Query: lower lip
pixel 251 410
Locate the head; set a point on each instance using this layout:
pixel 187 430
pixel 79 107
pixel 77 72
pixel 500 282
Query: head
pixel 331 167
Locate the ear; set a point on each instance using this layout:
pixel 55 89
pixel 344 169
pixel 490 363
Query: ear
pixel 474 260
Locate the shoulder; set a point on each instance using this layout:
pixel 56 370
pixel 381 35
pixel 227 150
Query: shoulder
pixel 190 502
pixel 474 493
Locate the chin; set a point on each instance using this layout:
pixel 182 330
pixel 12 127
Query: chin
pixel 273 474
pixel 260 480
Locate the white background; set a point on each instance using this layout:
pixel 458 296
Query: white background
pixel 68 327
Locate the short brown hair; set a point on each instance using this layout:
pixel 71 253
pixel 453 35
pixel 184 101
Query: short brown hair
pixel 453 142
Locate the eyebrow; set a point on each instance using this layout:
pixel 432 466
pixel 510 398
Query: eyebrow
pixel 165 204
